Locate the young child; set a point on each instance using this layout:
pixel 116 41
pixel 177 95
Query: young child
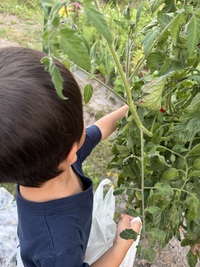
pixel 43 144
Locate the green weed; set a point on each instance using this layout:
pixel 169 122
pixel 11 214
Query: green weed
pixel 95 166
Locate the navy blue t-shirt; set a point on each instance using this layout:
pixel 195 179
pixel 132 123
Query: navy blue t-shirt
pixel 55 233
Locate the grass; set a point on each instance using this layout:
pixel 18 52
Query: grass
pixel 9 187
pixel 21 22
pixel 95 166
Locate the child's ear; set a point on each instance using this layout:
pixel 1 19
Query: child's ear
pixel 71 157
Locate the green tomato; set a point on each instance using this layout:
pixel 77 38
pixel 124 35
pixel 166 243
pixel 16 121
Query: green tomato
pixel 179 74
pixel 191 61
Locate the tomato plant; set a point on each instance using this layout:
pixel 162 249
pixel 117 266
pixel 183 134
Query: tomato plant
pixel 157 149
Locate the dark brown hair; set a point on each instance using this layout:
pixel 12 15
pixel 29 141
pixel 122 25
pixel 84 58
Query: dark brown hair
pixel 37 128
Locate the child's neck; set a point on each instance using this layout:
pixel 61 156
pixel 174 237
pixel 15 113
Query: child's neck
pixel 66 184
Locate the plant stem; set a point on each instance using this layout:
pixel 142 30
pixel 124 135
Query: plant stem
pixel 159 146
pixel 92 77
pixel 176 189
pixel 128 92
pixel 128 56
pixel 142 178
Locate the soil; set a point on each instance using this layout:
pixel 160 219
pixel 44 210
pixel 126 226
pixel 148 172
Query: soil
pixel 173 255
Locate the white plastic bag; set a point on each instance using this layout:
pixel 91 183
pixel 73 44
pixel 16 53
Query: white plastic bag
pixel 103 228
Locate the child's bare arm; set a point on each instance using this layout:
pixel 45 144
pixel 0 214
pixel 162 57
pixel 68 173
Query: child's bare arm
pixel 107 124
pixel 115 255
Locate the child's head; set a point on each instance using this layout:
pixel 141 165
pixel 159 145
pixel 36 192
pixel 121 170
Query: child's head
pixel 37 128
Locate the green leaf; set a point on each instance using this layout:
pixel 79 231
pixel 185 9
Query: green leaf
pixel 170 174
pixel 138 15
pixel 195 173
pixel 195 78
pixel 190 121
pixel 48 3
pixel 193 34
pixel 169 6
pixel 88 91
pixel 157 234
pixel 132 213
pixel 153 99
pixel 193 207
pixel 128 234
pixel 121 24
pixel 176 26
pixel 98 20
pixel 149 254
pixel 73 45
pixel 55 75
pixel 155 4
pixel 119 190
pixel 165 19
pixel 153 209
pixel 192 259
pixel 195 150
pixel 149 39
pixel 164 188
pixel 155 60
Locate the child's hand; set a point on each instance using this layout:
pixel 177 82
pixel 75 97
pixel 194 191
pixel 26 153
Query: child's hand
pixel 125 223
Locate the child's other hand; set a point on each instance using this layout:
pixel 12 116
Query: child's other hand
pixel 125 223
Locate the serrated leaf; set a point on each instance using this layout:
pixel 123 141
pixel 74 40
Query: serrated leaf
pixel 169 6
pixel 153 99
pixel 176 26
pixel 154 4
pixel 164 188
pixel 190 121
pixel 195 150
pixel 153 209
pixel 149 254
pixel 155 60
pixel 87 94
pixel 55 75
pixel 165 19
pixel 73 45
pixel 157 234
pixel 98 20
pixel 193 207
pixel 128 234
pixel 138 15
pixel 149 39
pixel 193 34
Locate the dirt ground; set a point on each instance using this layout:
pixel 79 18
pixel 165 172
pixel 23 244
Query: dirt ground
pixel 173 255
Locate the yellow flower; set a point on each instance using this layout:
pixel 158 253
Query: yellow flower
pixel 108 174
pixel 69 9
pixel 62 12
